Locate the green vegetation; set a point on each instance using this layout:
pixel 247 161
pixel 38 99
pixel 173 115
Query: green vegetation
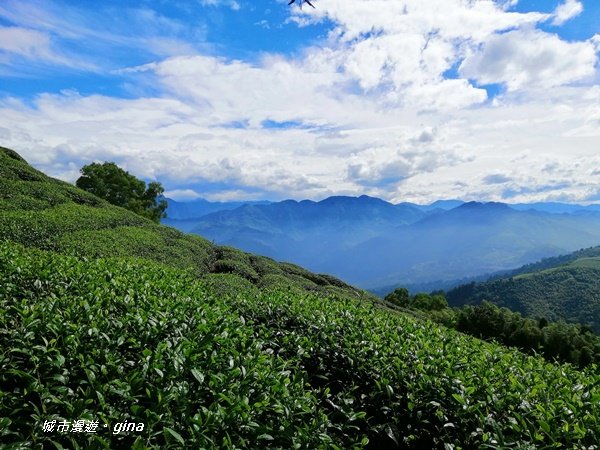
pixel 568 292
pixel 117 338
pixel 106 316
pixel 120 188
pixel 556 341
pixel 571 343
pixel 38 211
pixel 422 301
pixel 553 262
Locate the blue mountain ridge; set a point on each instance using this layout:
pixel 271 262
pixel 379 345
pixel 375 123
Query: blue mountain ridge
pixel 373 243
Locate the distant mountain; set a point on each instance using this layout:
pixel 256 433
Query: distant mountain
pixel 558 208
pixel 201 207
pixel 306 231
pixel 549 207
pixel 438 204
pixel 467 241
pixel 373 243
pixel 184 215
pixel 561 288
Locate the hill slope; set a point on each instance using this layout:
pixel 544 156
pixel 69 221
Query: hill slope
pixel 218 361
pixel 114 340
pixel 38 211
pixel 562 288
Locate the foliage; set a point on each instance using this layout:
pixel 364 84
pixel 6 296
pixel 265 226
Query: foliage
pixel 570 343
pixel 565 342
pixel 570 292
pixel 422 301
pixel 560 341
pixel 120 188
pixel 399 297
pixel 551 262
pixel 115 339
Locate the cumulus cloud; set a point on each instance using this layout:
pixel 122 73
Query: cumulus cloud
pixel 496 178
pixel 382 106
pixel 372 173
pixel 183 195
pixel 566 11
pixel 529 58
pixel 400 159
pixel 595 40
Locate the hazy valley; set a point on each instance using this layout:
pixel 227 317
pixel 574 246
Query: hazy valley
pixel 378 245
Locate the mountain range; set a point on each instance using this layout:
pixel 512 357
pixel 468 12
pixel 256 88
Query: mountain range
pixel 376 244
pixel 184 215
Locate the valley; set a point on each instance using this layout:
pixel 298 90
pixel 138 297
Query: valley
pixel 378 245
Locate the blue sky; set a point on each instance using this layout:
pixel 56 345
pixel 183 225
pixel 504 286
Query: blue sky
pixel 223 99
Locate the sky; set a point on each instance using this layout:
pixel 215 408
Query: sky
pixel 406 100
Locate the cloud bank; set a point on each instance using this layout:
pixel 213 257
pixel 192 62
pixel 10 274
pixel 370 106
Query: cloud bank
pixel 406 100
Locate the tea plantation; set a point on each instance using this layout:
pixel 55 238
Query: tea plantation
pixel 107 317
pixel 41 212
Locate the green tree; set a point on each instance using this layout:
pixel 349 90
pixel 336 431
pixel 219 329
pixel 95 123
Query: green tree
pixel 399 297
pixel 115 185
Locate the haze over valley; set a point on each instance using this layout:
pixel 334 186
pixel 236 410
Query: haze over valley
pixel 377 245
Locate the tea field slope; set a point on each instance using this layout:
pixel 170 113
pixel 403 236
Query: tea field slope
pixel 39 211
pixel 113 340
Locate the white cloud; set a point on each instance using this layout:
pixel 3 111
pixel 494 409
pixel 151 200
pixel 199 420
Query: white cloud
pixel 184 195
pixel 404 48
pixel 67 37
pixel 229 3
pixel 25 42
pixel 451 19
pixel 277 89
pixel 566 11
pixel 407 156
pixel 377 108
pixel 529 58
pixel 25 47
pixel 596 41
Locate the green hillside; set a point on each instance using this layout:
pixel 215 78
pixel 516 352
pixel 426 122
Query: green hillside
pixel 107 317
pixel 564 288
pixel 38 211
pixel 553 262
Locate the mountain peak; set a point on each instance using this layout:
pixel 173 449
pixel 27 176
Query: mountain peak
pixel 483 206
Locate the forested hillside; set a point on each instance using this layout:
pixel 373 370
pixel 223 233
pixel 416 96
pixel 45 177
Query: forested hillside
pixel 563 288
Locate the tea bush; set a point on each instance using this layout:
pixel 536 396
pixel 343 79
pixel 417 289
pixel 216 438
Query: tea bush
pixel 214 364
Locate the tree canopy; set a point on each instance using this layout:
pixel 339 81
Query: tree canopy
pixel 119 187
